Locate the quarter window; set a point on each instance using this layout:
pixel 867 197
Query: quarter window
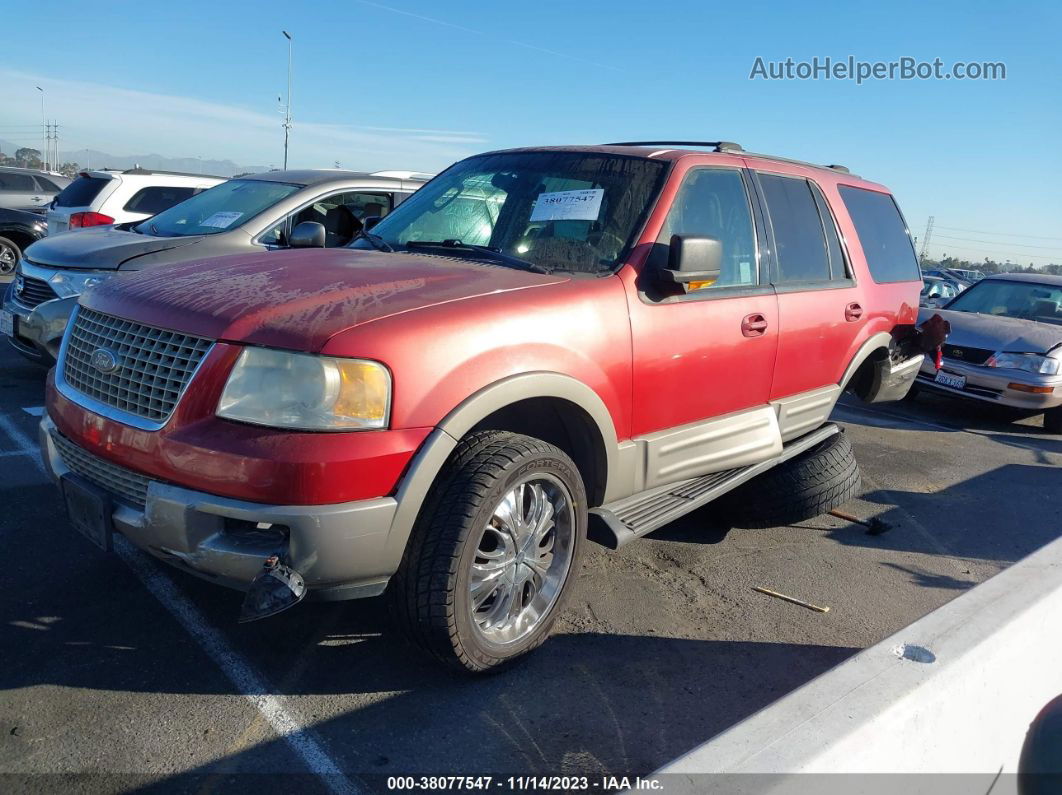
pixel 157 198
pixel 801 252
pixel 712 202
pixel 883 235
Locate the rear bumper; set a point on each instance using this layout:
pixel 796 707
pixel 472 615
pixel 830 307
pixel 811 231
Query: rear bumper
pixel 341 550
pixel 992 385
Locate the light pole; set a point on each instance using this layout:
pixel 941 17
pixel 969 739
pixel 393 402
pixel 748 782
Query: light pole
pixel 44 126
pixel 287 109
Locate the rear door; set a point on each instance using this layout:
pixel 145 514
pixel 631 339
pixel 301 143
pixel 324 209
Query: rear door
pixel 819 303
pixel 18 191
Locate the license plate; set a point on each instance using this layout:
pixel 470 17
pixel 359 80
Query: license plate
pixel 947 379
pixel 89 510
pixel 7 323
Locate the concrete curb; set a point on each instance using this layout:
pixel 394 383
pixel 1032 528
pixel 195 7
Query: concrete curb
pixel 952 693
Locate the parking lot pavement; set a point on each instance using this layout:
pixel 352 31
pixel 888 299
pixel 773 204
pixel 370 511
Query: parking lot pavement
pixel 116 665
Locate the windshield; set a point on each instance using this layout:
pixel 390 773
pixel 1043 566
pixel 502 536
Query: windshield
pixel 573 211
pixel 1025 300
pixel 224 206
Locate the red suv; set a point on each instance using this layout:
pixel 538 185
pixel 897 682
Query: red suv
pixel 540 346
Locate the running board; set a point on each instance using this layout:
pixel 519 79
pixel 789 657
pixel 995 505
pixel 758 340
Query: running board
pixel 620 522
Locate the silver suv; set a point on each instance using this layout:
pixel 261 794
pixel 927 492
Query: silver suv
pixel 29 188
pixel 259 212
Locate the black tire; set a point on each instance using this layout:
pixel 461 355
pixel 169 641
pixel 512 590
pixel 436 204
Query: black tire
pixel 1053 420
pixel 807 486
pixel 428 595
pixel 9 256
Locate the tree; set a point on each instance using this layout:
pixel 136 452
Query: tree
pixel 28 158
pixel 69 169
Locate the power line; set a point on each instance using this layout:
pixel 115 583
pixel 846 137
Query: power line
pixel 1001 234
pixel 997 243
pixel 1047 257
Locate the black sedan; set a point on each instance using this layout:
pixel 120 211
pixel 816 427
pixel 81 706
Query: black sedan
pixel 17 230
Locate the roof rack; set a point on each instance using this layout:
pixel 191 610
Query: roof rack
pixel 717 146
pixel 140 170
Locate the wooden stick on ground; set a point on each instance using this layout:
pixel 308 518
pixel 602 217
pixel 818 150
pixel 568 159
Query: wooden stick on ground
pixel 792 599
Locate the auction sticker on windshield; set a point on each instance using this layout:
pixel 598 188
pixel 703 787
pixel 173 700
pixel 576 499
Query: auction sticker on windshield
pixel 568 205
pixel 221 220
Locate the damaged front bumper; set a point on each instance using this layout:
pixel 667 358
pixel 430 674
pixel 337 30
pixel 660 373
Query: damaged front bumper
pixel 338 550
pixel 995 385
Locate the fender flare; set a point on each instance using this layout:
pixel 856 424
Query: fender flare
pixel 878 341
pixel 429 460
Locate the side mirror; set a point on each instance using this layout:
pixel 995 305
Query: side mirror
pixel 369 221
pixel 308 234
pixel 693 259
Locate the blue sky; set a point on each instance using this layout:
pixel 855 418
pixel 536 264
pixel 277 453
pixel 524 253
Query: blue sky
pixel 413 84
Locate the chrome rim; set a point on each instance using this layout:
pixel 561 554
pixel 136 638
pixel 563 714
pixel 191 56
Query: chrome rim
pixel 8 259
pixel 522 559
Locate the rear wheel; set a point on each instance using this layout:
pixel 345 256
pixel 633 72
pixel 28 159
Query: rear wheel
pixel 9 255
pixel 813 483
pixel 1053 420
pixel 498 541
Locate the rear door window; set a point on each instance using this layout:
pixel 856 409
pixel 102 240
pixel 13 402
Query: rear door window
pixel 802 253
pixel 47 186
pixel 20 183
pixel 157 198
pixel 81 192
pixel 883 235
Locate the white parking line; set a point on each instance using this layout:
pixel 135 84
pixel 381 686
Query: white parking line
pixel 240 673
pixel 34 411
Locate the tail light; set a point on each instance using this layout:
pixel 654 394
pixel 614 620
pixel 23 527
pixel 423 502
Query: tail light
pixel 78 220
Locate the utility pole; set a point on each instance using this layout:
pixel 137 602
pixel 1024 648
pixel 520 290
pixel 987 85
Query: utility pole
pixel 287 107
pixel 925 241
pixel 44 126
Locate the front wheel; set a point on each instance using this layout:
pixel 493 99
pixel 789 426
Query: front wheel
pixel 493 552
pixel 9 255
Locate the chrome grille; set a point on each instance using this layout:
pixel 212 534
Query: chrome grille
pixel 153 365
pixel 119 481
pixel 32 292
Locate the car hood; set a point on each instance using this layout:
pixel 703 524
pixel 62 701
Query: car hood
pixel 995 333
pixel 102 248
pixel 297 299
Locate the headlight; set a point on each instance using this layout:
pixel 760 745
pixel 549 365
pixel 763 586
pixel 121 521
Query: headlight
pixel 299 390
pixel 1030 362
pixel 68 283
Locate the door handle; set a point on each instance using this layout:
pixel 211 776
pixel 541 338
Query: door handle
pixel 853 312
pixel 754 325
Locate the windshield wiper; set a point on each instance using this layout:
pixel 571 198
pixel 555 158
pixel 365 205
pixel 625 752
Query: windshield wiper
pixel 375 241
pixel 495 254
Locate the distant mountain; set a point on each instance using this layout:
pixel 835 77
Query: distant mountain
pixel 92 158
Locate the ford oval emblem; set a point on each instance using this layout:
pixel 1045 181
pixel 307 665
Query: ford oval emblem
pixel 104 360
